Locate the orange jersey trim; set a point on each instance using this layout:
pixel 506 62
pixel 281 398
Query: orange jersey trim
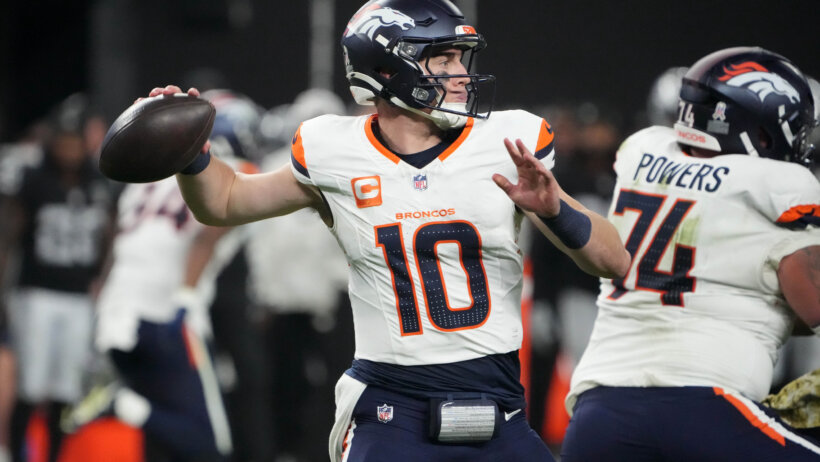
pixel 799 211
pixel 468 127
pixel 545 136
pixel 767 430
pixel 368 130
pixel 297 149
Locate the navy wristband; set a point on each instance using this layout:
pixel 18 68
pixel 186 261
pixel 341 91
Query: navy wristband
pixel 572 227
pixel 199 163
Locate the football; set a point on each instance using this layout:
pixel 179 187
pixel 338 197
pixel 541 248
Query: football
pixel 156 138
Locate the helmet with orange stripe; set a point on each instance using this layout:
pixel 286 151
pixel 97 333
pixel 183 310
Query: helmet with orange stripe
pixel 387 45
pixel 747 100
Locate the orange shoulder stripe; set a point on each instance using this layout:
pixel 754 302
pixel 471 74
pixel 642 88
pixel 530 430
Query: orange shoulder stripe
pixel 297 150
pixel 799 211
pixel 545 136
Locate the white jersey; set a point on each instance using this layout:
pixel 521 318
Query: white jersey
pixel 435 266
pixel 155 232
pixel 701 304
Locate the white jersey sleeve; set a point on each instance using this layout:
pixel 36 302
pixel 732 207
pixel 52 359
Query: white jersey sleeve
pixel 435 265
pixel 701 304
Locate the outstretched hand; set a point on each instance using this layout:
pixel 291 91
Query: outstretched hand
pixel 170 90
pixel 537 190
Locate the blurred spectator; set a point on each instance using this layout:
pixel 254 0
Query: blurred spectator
pixel 57 212
pixel 299 276
pixel 14 157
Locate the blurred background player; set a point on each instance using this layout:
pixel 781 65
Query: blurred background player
pixel 239 334
pixel 153 318
pixel 57 215
pixel 664 94
pixel 299 279
pixel 720 214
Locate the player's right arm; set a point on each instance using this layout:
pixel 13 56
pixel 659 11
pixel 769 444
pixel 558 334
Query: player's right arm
pixel 799 277
pixel 220 196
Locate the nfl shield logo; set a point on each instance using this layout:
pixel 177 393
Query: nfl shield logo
pixel 385 413
pixel 420 182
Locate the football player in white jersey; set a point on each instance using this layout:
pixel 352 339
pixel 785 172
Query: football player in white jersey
pixel 153 319
pixel 426 205
pixel 153 324
pixel 721 215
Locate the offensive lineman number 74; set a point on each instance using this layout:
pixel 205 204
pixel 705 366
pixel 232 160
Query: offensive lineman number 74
pixel 670 284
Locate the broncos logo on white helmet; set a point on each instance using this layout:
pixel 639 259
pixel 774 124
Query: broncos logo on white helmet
pixel 759 80
pixel 372 20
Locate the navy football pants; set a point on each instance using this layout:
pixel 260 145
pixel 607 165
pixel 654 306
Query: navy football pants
pixel 405 437
pixel 680 424
pixel 161 369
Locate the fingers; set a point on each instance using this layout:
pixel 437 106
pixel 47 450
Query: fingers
pixel 522 157
pixel 502 182
pixel 167 90
pixel 515 153
pixel 171 90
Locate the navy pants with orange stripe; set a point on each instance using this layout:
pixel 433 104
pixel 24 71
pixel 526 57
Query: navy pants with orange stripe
pixel 679 424
pixel 161 369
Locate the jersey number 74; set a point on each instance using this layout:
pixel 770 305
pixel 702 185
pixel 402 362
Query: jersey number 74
pixel 670 284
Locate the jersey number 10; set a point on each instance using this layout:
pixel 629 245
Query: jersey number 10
pixel 427 237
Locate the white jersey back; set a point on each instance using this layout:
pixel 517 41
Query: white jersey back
pixel 701 304
pixel 156 230
pixel 435 267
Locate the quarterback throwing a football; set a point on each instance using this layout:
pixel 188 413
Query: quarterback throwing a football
pixel 427 206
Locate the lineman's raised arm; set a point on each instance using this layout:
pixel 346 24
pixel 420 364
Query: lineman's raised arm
pixel 220 196
pixel 586 237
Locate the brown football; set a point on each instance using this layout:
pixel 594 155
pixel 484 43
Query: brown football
pixel 156 138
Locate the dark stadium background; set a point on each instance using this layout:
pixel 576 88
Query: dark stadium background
pixel 542 51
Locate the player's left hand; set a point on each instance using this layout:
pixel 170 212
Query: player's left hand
pixel 537 190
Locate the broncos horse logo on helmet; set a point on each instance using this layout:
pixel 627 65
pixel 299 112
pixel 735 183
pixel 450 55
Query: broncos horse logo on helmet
pixel 386 47
pixel 373 19
pixel 758 79
pixel 765 106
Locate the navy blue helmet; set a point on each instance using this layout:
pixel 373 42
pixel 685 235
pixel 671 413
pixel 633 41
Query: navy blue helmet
pixel 747 100
pixel 386 45
pixel 236 125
